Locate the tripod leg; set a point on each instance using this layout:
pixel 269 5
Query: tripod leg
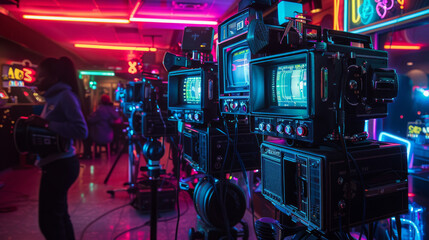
pixel 113 166
pixel 154 209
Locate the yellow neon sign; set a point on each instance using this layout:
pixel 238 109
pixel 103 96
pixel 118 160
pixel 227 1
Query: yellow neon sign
pixel 355 14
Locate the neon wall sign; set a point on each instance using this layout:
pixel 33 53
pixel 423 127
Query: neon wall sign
pixel 362 16
pixel 132 67
pixel 19 73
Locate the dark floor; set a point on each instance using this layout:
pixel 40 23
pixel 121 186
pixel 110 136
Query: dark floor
pixel 87 201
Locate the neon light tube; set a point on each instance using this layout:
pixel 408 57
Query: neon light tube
pixel 174 21
pixel 393 21
pixel 402 47
pixel 110 47
pixel 97 73
pixel 384 136
pixel 135 9
pixel 76 19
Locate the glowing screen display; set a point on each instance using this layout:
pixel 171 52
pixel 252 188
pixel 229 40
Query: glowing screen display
pixel 290 86
pixel 238 70
pixel 191 90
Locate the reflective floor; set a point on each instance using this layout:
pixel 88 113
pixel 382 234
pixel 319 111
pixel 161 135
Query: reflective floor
pixel 88 201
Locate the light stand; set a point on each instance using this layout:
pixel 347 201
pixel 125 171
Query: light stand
pixel 153 150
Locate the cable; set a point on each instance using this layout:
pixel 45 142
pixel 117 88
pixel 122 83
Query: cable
pixel 148 222
pixel 101 216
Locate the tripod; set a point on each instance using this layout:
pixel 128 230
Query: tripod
pixel 153 150
pixel 133 143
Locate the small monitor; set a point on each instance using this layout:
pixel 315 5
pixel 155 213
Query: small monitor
pixel 236 75
pixel 282 85
pixel 190 90
pixel 289 86
pixel 198 39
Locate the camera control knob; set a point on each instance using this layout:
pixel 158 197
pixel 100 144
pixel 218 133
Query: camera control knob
pixel 262 127
pixel 280 128
pixel 190 116
pixel 302 131
pixel 244 107
pixel 225 107
pixel 197 116
pixel 353 85
pixel 269 127
pixel 289 129
pixel 234 106
pixel 178 115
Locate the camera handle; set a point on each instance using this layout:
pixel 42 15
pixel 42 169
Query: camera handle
pixel 153 150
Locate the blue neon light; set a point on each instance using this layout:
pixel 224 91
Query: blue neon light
pixel 366 126
pixel 390 22
pixel 346 16
pixel 384 136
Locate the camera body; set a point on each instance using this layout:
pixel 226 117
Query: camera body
pixel 208 150
pixel 145 104
pixel 299 95
pixel 310 184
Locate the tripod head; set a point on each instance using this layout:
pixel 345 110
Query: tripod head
pixel 153 150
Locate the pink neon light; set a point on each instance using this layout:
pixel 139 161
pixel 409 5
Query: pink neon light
pixel 383 6
pixel 135 9
pixel 110 47
pixel 173 21
pixel 76 19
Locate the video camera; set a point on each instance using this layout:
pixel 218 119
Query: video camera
pixel 313 96
pixel 304 95
pixel 145 105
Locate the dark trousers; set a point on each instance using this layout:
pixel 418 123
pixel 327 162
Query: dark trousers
pixel 57 177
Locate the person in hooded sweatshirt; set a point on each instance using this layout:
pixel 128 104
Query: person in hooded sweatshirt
pixel 101 122
pixel 56 79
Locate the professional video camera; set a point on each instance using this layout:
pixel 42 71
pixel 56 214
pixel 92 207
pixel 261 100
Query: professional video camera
pixel 145 104
pixel 307 95
pixel 314 96
pixel 192 92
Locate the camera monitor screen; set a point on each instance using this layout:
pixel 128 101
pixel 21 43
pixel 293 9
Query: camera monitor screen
pixel 191 90
pixel 289 86
pixel 238 78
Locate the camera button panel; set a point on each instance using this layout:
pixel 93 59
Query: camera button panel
pixel 235 106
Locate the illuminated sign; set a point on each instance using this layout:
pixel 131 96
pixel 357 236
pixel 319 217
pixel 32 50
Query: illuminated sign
pixel 417 130
pixel 132 69
pixel 17 73
pixel 364 16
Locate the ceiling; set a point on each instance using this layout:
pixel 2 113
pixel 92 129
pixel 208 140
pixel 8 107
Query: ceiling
pixel 162 36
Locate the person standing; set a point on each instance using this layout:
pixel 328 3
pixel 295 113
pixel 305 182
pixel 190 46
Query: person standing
pixel 56 79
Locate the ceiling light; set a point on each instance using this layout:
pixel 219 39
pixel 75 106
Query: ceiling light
pixel 174 21
pixel 315 6
pixel 76 19
pixel 410 63
pixel 111 47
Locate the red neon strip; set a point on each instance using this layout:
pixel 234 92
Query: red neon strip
pixel 174 21
pixel 76 19
pixel 110 47
pixel 403 47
